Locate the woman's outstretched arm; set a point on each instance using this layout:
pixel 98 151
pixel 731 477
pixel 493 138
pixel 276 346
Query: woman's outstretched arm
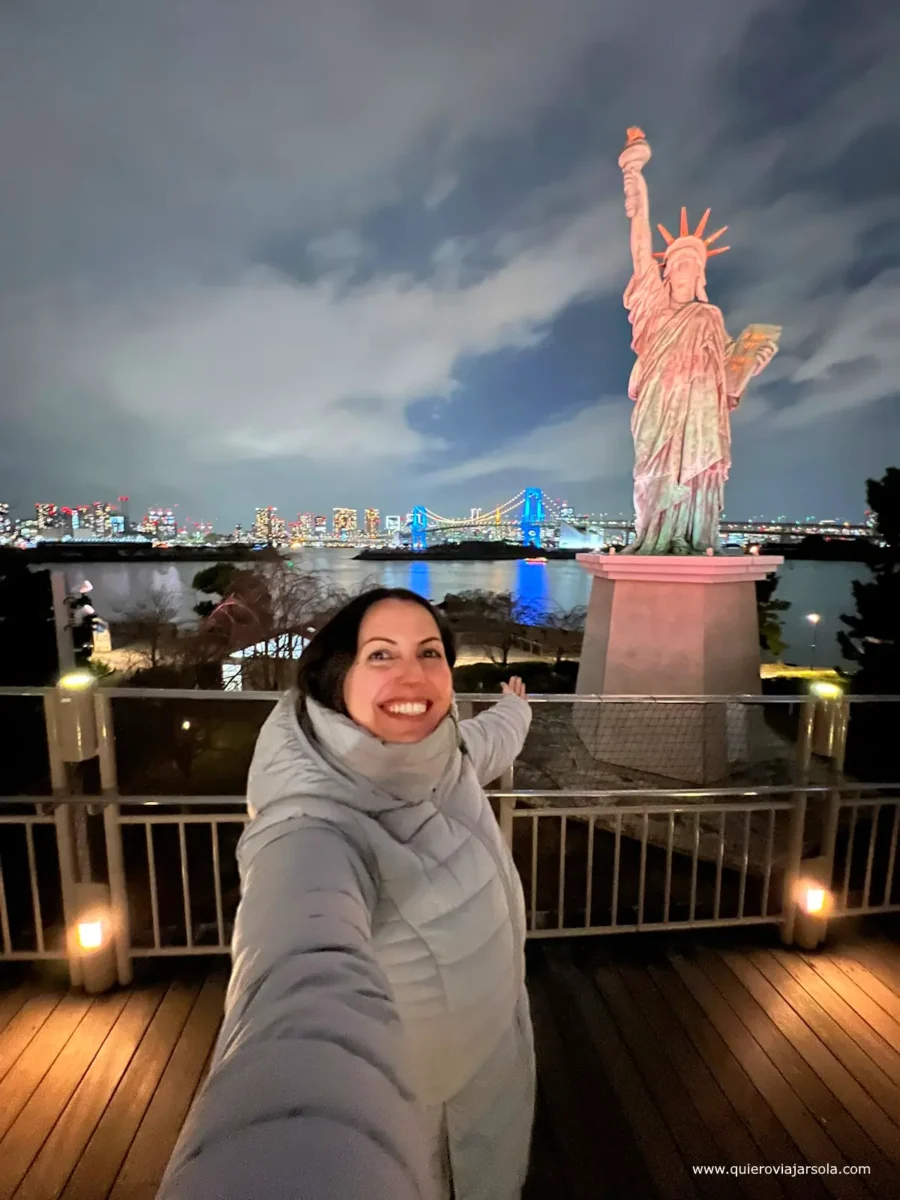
pixel 305 1099
pixel 494 739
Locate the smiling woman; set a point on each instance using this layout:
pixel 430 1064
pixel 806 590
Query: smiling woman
pixel 385 660
pixel 377 1039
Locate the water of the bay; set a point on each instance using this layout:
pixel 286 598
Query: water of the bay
pixel 810 587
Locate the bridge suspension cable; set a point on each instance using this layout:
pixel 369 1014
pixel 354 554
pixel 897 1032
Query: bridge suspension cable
pixel 487 517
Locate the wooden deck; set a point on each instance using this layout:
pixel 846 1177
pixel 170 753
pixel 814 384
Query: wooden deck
pixel 656 1056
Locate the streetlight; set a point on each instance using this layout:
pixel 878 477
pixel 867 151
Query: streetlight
pixel 814 619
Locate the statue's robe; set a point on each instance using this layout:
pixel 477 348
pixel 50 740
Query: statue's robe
pixel 680 423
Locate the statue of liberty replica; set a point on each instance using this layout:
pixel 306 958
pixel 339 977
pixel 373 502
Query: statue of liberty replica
pixel 688 378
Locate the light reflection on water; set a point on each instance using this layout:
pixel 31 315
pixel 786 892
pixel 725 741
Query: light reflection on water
pixel 820 587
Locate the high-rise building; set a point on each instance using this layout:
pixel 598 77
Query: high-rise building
pixel 321 527
pixel 393 523
pixel 161 524
pixel 344 522
pixel 6 525
pixel 46 515
pixel 117 524
pixel 266 525
pixel 304 527
pixel 100 518
pixel 373 522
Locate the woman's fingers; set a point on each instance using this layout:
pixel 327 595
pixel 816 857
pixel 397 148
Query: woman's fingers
pixel 515 686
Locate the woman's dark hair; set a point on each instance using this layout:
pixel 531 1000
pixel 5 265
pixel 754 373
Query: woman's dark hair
pixel 323 665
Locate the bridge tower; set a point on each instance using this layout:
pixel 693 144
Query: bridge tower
pixel 532 516
pixel 419 528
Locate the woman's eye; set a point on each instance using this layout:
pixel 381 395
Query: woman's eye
pixel 379 656
pixel 431 653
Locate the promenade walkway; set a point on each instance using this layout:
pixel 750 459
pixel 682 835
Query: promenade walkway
pixel 657 1056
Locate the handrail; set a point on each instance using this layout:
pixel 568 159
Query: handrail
pixel 699 794
pixel 465 697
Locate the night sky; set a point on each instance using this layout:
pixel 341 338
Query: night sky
pixel 372 252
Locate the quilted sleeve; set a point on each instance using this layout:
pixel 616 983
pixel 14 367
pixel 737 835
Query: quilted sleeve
pixel 494 739
pixel 305 1097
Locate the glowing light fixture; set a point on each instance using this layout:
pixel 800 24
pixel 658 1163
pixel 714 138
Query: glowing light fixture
pixel 185 725
pixel 813 898
pixel 826 691
pixel 90 935
pixel 814 618
pixel 76 681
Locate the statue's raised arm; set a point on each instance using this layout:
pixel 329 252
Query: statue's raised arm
pixel 632 160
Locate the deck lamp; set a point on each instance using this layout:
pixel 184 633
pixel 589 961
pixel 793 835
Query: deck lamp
pixel 813 898
pixel 93 938
pixel 75 718
pixel 814 902
pixel 830 722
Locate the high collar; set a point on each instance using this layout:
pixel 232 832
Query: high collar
pixel 408 771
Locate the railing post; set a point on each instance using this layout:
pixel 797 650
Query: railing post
pixel 112 830
pixel 507 807
pixel 824 732
pixel 65 840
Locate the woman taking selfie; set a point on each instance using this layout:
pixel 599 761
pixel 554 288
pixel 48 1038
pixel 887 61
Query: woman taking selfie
pixel 377 1041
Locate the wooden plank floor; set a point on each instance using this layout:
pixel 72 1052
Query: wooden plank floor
pixel 656 1056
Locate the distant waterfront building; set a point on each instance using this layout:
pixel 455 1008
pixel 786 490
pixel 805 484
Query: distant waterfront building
pixel 268 527
pixel 46 516
pixel 321 526
pixel 101 514
pixel 6 525
pixel 306 523
pixel 393 523
pixel 117 525
pixel 160 523
pixel 373 522
pixel 344 522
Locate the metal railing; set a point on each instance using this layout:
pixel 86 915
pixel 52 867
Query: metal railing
pixel 592 861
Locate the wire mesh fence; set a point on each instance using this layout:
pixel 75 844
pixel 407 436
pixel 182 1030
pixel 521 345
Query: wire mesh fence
pixel 183 743
pixel 620 742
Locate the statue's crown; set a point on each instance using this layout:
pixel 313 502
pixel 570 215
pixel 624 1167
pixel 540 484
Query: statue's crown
pixel 694 240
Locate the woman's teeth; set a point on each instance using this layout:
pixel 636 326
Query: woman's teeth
pixel 407 709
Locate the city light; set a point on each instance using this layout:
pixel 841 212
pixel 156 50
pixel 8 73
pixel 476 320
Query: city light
pixel 814 618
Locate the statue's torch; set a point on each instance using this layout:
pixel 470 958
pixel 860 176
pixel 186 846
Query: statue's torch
pixel 637 150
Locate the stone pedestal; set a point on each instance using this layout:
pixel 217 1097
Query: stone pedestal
pixel 670 626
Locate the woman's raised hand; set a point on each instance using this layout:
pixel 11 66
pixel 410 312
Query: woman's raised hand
pixel 515 687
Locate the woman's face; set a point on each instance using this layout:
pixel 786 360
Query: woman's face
pixel 400 686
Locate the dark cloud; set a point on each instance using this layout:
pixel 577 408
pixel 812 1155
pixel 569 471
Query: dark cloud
pixel 372 251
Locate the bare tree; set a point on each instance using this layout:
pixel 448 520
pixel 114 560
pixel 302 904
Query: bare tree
pixel 151 621
pixel 270 613
pixel 563 629
pixel 495 618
